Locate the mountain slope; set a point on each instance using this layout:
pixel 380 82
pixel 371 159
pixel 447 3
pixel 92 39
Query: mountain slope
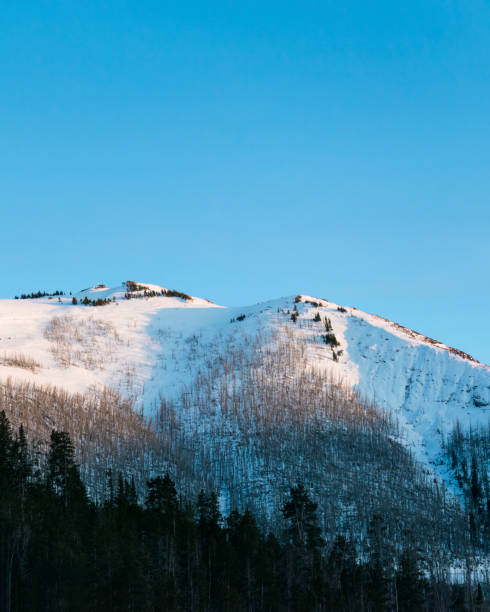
pixel 153 346
pixel 426 384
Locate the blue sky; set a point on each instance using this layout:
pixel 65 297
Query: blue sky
pixel 245 151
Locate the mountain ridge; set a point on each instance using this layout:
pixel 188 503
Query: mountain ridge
pixel 158 345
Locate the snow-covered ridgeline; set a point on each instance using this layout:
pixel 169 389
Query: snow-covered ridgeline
pixel 428 385
pixel 153 347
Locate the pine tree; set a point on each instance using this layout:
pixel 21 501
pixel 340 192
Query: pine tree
pixel 5 446
pixel 378 585
pixel 21 462
pixel 8 517
pixel 162 509
pixel 380 564
pixel 209 515
pixel 299 511
pixel 162 496
pixel 409 583
pixel 304 543
pixel 244 537
pixel 341 574
pixel 63 475
pixel 211 540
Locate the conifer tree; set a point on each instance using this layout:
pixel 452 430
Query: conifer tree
pixel 303 541
pixel 409 583
pixel 162 496
pixel 299 512
pixel 7 514
pixel 5 446
pixel 63 475
pixel 380 564
pixel 21 462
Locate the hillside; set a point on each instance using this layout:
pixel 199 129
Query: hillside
pixel 376 419
pixel 154 347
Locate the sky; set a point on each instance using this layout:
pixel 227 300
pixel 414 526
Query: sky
pixel 246 151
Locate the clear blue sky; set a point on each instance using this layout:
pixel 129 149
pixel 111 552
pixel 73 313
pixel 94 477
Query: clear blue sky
pixel 244 151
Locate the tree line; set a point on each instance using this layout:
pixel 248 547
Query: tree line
pixel 38 294
pixel 468 454
pixel 62 551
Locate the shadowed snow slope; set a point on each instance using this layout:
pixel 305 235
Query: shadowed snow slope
pixel 153 346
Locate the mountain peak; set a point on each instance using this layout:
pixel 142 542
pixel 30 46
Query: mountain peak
pixel 129 290
pixel 148 342
pixel 392 326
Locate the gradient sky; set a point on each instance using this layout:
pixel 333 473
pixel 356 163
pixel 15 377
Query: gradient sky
pixel 245 151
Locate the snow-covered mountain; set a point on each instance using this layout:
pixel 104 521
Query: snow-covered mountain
pixel 149 343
